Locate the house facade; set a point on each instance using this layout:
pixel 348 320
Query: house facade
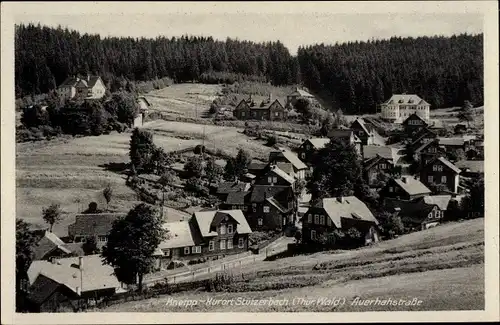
pixel 374 167
pixel 404 188
pixel 272 112
pixel 206 234
pixel 399 107
pixel 440 171
pixel 342 213
pixel 97 225
pixel 413 123
pixel 362 132
pixel 417 214
pixel 298 93
pixel 271 207
pixel 310 147
pixel 428 151
pixel 90 87
pixel 50 246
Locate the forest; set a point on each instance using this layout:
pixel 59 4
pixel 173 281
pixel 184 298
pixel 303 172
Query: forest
pixel 355 76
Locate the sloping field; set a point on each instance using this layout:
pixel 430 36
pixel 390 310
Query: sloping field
pixel 189 99
pixel 228 139
pixel 66 171
pixel 443 267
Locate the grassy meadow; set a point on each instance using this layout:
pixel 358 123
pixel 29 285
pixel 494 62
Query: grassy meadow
pixel 442 266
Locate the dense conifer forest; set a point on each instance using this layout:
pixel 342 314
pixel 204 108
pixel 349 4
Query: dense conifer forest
pixel 356 76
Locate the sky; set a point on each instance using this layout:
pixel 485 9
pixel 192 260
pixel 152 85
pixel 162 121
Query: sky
pixel 292 28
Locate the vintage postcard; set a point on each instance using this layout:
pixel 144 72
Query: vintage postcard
pixel 235 162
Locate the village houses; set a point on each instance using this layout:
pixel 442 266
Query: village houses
pixel 404 188
pixel 206 234
pixel 298 93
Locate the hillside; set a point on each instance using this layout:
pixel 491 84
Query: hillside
pixel 444 71
pixel 442 266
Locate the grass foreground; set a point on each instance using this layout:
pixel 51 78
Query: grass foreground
pixel 442 268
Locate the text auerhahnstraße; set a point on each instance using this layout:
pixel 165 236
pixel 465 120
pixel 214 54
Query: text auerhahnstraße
pixel 321 301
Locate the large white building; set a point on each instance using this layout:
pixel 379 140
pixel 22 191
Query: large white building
pixel 399 107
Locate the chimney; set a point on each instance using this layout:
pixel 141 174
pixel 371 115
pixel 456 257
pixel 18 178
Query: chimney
pixel 341 199
pixel 270 97
pixel 80 262
pixel 79 291
pixel 88 77
pixel 53 260
pixel 404 179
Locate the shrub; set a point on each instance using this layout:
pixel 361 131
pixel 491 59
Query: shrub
pixel 221 282
pixel 272 140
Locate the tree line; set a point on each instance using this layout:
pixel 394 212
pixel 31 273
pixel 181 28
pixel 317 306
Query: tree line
pixel 355 76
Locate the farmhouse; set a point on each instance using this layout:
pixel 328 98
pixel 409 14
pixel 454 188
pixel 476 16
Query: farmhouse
pixel 347 135
pixel 399 107
pixel 344 213
pixel 62 283
pixel 97 225
pixel 405 188
pixel 275 176
pixel 90 87
pixel 144 106
pixel 205 234
pixel 225 188
pixel 440 171
pixel 284 155
pixel 292 98
pixel 271 112
pixel 428 151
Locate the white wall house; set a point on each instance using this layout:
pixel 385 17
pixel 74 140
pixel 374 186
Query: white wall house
pixel 90 87
pixel 399 107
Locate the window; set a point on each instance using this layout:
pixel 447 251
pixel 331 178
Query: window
pixel 432 150
pixel 102 238
pixel 276 114
pixel 222 229
pixel 382 166
pixel 259 221
pixel 270 180
pixel 196 249
pixel 328 221
pixel 266 209
pixel 243 114
pixel 391 189
pixel 211 245
pixel 166 252
pixel 229 229
pixel 303 155
pixel 234 207
pixel 313 234
pixel 322 219
pixel 244 208
pixel 241 242
pixel 223 244
pixel 230 243
pixel 186 250
pixel 309 218
pixel 316 219
pixel 275 179
pixel 437 168
pixel 430 179
pixel 443 179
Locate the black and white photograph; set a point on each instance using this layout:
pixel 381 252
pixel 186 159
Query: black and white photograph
pixel 275 158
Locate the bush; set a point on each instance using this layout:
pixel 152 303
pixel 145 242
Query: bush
pixel 221 282
pixel 271 140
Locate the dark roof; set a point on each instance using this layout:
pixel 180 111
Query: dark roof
pixel 406 99
pixel 286 167
pixel 421 133
pixel 425 145
pixel 415 211
pixel 262 192
pixel 93 224
pixel 363 125
pixel 237 197
pixel 369 163
pixel 229 187
pixel 42 288
pixel 371 151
